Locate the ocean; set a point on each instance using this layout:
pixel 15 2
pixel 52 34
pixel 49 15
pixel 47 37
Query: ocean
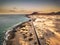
pixel 8 20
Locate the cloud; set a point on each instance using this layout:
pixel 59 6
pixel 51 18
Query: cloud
pixel 11 10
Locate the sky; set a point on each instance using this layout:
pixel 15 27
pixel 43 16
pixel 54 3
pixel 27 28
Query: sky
pixel 29 5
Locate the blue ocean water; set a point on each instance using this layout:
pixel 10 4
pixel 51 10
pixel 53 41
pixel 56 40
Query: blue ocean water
pixel 8 20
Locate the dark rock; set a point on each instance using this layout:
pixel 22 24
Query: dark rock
pixel 11 35
pixel 35 43
pixel 30 39
pixel 30 34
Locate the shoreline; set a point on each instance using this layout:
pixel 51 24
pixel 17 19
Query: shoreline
pixel 11 30
pixel 47 21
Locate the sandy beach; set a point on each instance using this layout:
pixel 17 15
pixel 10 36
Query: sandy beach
pixel 40 30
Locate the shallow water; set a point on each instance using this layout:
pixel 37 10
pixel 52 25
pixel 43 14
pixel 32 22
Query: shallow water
pixel 9 20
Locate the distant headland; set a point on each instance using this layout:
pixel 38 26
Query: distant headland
pixel 51 13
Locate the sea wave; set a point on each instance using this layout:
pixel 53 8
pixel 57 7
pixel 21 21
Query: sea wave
pixel 11 29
